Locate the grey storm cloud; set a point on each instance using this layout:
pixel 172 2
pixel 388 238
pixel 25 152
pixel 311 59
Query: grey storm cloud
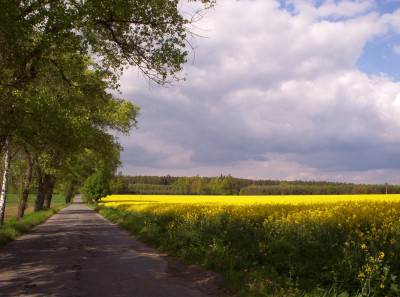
pixel 270 89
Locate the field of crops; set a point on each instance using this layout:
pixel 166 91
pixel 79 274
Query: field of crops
pixel 12 204
pixel 276 245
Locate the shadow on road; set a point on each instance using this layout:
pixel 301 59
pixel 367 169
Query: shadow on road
pixel 79 253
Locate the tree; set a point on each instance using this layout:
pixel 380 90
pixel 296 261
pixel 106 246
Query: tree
pixel 30 159
pixel 102 156
pixel 42 44
pixel 225 187
pixel 71 127
pixel 67 128
pixel 116 185
pixel 96 187
pixel 150 35
pixel 3 193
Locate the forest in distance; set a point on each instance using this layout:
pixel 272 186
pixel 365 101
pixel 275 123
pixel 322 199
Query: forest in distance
pixel 229 185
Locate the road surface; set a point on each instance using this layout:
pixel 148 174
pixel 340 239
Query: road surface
pixel 78 253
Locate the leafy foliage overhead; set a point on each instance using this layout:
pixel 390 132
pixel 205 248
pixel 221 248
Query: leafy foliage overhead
pixel 148 34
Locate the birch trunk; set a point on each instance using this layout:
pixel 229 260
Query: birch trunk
pixel 4 186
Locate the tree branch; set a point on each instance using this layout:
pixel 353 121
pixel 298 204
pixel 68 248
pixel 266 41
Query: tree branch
pixel 68 81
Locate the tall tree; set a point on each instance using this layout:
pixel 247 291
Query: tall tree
pixel 78 115
pixel 39 39
pixel 30 159
pixel 150 35
pixel 3 193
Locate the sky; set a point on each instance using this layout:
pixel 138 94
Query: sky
pixel 281 90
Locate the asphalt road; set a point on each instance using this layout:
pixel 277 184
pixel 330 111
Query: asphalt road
pixel 79 253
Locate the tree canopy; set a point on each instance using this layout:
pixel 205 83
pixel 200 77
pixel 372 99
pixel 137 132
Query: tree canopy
pixel 148 34
pixel 60 59
pixel 96 186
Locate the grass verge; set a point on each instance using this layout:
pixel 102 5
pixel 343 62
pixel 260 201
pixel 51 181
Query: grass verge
pixel 13 228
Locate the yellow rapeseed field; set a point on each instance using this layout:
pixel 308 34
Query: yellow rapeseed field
pixel 115 200
pixel 348 242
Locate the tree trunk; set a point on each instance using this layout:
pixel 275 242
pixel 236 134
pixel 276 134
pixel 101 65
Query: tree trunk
pixel 41 193
pixel 45 191
pixel 4 186
pixel 51 181
pixel 3 142
pixel 28 178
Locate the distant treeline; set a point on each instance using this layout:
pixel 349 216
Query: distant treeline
pixel 228 185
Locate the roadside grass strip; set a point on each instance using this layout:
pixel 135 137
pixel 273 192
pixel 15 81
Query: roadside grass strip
pixel 13 228
pixel 275 245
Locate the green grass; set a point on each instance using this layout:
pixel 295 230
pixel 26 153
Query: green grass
pixel 13 198
pixel 12 229
pixel 12 203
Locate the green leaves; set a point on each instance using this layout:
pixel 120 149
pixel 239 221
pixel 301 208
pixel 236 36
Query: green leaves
pixel 60 59
pixel 96 186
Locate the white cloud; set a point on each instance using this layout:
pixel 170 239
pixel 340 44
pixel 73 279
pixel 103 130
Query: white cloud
pixel 331 9
pixel 273 94
pixel 344 8
pixel 396 102
pixel 393 20
pixel 396 49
